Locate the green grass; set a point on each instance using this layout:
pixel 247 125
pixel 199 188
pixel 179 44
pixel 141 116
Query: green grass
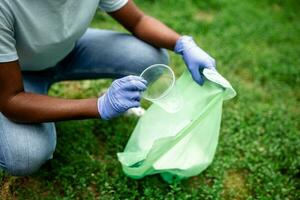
pixel 257 47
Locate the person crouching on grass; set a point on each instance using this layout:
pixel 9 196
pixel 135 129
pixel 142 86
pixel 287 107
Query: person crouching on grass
pixel 42 42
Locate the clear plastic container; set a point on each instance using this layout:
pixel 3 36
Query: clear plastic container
pixel 160 90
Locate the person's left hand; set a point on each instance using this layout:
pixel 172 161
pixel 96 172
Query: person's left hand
pixel 194 57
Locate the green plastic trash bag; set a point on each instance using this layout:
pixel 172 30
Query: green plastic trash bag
pixel 182 144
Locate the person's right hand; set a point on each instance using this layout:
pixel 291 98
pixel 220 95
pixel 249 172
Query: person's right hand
pixel 123 94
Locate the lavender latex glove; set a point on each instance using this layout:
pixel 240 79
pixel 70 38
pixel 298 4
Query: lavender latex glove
pixel 194 57
pixel 123 94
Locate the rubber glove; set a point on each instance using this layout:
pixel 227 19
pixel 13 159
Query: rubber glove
pixel 123 94
pixel 194 57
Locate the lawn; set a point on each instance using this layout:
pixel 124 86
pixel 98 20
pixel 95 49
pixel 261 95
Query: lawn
pixel 257 48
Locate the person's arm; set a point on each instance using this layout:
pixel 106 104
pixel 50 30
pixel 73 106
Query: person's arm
pixel 145 27
pixel 26 107
pixel 21 106
pixel 156 33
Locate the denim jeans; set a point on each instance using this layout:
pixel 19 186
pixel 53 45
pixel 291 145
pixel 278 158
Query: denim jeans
pixel 97 54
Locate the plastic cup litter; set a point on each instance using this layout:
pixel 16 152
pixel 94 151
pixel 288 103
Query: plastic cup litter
pixel 161 87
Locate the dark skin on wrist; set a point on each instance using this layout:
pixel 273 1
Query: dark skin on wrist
pixel 25 107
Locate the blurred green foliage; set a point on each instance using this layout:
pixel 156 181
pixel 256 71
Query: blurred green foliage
pixel 257 47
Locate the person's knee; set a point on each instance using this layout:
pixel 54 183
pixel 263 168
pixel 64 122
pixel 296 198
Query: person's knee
pixel 150 57
pixel 155 56
pixel 25 158
pixel 22 163
pixel 164 57
pixel 25 147
pixel 139 55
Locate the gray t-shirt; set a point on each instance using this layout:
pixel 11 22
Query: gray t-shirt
pixel 39 33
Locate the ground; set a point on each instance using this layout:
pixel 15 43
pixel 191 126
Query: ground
pixel 257 47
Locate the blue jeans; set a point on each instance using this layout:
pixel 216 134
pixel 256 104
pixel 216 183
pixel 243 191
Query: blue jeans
pixel 97 54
